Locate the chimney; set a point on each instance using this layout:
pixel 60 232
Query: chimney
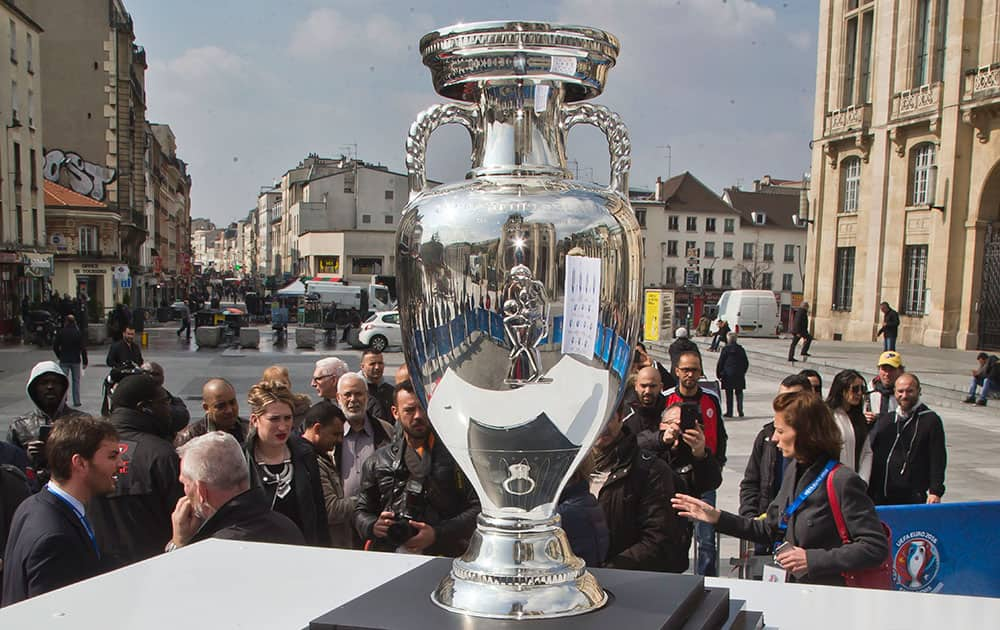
pixel 658 190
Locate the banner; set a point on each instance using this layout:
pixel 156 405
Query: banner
pixel 948 548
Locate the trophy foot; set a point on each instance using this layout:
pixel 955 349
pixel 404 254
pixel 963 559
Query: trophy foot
pixel 516 569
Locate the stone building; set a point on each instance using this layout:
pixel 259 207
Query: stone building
pixel 168 220
pixel 905 186
pixel 94 107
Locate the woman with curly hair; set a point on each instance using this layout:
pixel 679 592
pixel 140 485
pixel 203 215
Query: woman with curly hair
pixel 285 464
pixel 846 401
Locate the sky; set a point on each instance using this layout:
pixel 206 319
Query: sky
pixel 251 87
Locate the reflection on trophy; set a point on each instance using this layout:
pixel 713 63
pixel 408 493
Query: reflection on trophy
pixel 506 312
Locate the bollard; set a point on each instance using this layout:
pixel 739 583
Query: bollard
pixel 145 339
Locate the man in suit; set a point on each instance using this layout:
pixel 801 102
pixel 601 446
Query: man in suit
pixel 125 350
pixel 51 542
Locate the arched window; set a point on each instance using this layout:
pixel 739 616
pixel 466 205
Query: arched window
pixel 850 185
pixel 922 169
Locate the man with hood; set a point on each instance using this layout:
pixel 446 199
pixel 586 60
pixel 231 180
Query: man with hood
pixel 133 523
pixel 47 387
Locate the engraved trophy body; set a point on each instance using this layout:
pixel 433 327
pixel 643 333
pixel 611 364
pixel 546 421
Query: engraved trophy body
pixel 519 298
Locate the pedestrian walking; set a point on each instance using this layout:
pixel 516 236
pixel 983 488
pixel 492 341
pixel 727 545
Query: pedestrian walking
pixel 185 312
pixel 731 369
pixel 890 327
pixel 71 352
pixel 800 330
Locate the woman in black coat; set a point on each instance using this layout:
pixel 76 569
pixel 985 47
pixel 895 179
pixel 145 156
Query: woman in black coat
pixel 731 369
pixel 804 430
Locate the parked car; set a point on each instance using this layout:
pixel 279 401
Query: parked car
pixel 380 331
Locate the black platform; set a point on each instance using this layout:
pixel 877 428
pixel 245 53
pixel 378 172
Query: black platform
pixel 639 601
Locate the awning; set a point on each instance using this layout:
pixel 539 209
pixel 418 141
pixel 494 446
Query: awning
pixel 295 288
pixel 37 264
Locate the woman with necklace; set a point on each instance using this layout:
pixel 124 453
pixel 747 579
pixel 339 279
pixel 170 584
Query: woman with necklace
pixel 800 522
pixel 285 464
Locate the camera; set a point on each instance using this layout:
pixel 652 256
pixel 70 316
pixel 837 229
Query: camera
pixel 690 416
pixel 409 506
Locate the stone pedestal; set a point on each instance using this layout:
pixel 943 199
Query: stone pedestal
pixel 249 338
pixel 208 336
pixel 305 337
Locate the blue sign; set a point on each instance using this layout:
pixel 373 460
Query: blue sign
pixel 946 548
pixel 126 283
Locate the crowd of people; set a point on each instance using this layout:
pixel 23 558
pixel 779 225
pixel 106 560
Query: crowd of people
pixel 357 465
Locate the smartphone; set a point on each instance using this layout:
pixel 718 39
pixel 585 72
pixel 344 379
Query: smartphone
pixel 690 416
pixel 43 432
pixel 785 546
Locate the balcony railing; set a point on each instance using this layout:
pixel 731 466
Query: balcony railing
pixel 852 118
pixel 920 101
pixel 982 82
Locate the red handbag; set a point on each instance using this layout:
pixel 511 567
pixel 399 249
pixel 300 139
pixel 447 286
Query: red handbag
pixel 879 577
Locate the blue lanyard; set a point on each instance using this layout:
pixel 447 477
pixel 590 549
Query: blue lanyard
pixel 799 500
pixel 83 519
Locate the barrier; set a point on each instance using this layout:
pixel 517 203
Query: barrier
pixel 948 548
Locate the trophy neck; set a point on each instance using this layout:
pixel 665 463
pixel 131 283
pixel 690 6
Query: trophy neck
pixel 521 130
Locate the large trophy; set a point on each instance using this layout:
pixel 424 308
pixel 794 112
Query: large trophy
pixel 519 297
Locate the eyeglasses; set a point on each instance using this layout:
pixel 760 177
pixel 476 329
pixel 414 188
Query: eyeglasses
pixel 858 389
pixel 320 379
pixel 688 370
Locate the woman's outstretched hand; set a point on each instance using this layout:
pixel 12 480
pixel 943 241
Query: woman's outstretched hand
pixel 696 509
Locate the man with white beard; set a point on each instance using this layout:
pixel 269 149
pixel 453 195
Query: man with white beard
pixel 362 435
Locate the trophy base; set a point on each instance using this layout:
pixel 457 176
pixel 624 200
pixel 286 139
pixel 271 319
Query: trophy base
pixel 517 569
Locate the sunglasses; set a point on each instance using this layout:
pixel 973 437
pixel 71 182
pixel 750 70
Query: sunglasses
pixel 858 389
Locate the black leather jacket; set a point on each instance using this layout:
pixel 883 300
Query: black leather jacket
pixel 450 502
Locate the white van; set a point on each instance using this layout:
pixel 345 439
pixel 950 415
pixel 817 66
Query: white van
pixel 750 313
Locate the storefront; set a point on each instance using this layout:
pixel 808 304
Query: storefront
pixel 9 298
pixel 96 279
pixel 36 281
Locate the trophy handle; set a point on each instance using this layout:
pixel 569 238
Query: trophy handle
pixel 420 132
pixel 619 143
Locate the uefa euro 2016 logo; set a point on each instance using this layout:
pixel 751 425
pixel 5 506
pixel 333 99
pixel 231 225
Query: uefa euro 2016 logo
pixel 917 562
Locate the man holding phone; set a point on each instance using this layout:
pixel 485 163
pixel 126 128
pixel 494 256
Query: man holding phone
pixel 707 412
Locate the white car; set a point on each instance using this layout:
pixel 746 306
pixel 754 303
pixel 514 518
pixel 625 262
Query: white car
pixel 380 331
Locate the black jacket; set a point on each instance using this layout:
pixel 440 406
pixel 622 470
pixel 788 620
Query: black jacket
pixel 583 521
pixel 69 346
pixel 813 528
pixel 133 523
pixel 306 486
pixel 124 352
pixel 761 479
pixel 800 323
pixel 450 502
pixel 890 325
pixel 380 401
pixel 732 367
pixel 908 457
pixel 240 431
pixel 646 533
pixel 248 516
pixel 48 548
pixel 14 489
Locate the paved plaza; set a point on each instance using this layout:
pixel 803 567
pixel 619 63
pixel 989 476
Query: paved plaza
pixel 972 433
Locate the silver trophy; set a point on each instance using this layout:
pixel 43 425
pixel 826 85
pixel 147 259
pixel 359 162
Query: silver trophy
pixel 519 299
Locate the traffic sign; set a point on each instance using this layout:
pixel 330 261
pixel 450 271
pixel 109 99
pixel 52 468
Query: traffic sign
pixel 691 278
pixel 126 283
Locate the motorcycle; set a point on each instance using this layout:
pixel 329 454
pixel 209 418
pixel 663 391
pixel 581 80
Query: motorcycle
pixel 41 328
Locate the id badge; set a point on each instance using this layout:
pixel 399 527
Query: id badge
pixel 774 573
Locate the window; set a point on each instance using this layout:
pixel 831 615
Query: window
pixel 709 249
pixel 688 246
pixel 671 275
pixel 746 280
pixel 366 218
pixel 328 264
pixel 349 182
pixel 843 279
pixel 14 108
pixel 789 253
pixel 857 53
pixel 766 281
pixel 33 168
pixel 709 225
pixel 640 216
pixel 692 224
pixel 850 184
pixel 727 250
pixel 915 287
pixel 672 223
pixel 17 164
pixel 20 224
pixel 366 265
pixel 31 109
pixel 923 161
pixel 390 194
pixel 672 248
pixel 768 252
pixel 727 277
pixel 747 251
pixel 36 230
pixel 786 282
pixel 13 41
pixel 708 277
pixel 929 41
pixel 730 226
pixel 30 54
pixel 388 219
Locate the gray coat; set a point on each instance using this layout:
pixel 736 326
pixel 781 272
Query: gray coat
pixel 813 527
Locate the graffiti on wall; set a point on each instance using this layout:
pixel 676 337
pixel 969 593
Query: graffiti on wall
pixel 84 177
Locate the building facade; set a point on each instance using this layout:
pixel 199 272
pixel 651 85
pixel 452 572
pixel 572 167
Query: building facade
pixel 164 275
pixel 94 105
pixel 905 186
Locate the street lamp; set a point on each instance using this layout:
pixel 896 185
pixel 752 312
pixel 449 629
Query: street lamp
pixel 801 221
pixel 932 177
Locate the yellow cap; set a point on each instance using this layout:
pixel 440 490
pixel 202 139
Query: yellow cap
pixel 890 358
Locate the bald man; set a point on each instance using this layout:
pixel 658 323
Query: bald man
pixel 642 414
pixel 222 413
